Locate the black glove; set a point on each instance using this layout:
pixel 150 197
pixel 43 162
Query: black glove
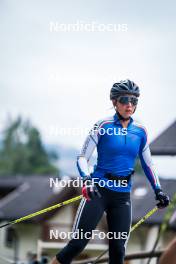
pixel 162 198
pixel 89 189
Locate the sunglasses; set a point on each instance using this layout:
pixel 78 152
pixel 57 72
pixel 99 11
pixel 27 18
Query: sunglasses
pixel 128 99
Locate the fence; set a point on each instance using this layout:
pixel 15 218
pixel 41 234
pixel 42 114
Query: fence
pixel 134 256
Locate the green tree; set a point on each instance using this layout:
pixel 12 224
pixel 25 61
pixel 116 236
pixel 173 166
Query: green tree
pixel 22 151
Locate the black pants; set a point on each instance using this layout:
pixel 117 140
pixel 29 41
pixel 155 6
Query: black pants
pixel 118 212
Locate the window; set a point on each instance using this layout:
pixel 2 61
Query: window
pixel 139 192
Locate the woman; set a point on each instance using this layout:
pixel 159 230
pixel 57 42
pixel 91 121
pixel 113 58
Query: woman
pixel 119 140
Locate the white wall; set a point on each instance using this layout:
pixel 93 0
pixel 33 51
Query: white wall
pixel 5 251
pixel 28 236
pixel 64 216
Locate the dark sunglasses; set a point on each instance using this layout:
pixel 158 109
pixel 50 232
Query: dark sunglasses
pixel 128 99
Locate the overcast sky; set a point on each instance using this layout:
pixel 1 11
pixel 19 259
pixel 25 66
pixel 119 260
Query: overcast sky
pixel 62 79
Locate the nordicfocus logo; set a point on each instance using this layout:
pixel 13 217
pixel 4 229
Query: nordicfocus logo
pixel 92 26
pixel 77 182
pixel 79 234
pixel 55 131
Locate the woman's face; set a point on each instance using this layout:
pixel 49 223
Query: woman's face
pixel 127 109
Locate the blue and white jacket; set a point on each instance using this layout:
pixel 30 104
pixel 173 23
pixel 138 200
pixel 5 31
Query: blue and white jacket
pixel 117 149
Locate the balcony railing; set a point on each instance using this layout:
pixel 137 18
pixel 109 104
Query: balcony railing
pixel 129 257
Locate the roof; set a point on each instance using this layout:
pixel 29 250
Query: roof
pixel 30 195
pixel 165 143
pixel 143 199
pixel 33 194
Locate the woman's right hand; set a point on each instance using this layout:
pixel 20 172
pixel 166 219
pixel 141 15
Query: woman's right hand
pixel 89 189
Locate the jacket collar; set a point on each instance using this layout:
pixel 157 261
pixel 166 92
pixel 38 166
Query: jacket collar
pixel 117 121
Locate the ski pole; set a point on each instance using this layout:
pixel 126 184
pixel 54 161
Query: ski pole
pixel 42 211
pixel 142 220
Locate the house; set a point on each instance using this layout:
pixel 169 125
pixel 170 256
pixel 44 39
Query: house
pixel 24 195
pixel 165 143
pixel 21 196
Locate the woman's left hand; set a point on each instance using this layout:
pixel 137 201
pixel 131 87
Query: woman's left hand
pixel 162 198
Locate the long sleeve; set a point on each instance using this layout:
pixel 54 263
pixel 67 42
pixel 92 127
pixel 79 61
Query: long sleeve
pixel 86 151
pixel 147 163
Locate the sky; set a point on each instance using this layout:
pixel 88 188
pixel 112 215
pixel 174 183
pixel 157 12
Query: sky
pixel 61 79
